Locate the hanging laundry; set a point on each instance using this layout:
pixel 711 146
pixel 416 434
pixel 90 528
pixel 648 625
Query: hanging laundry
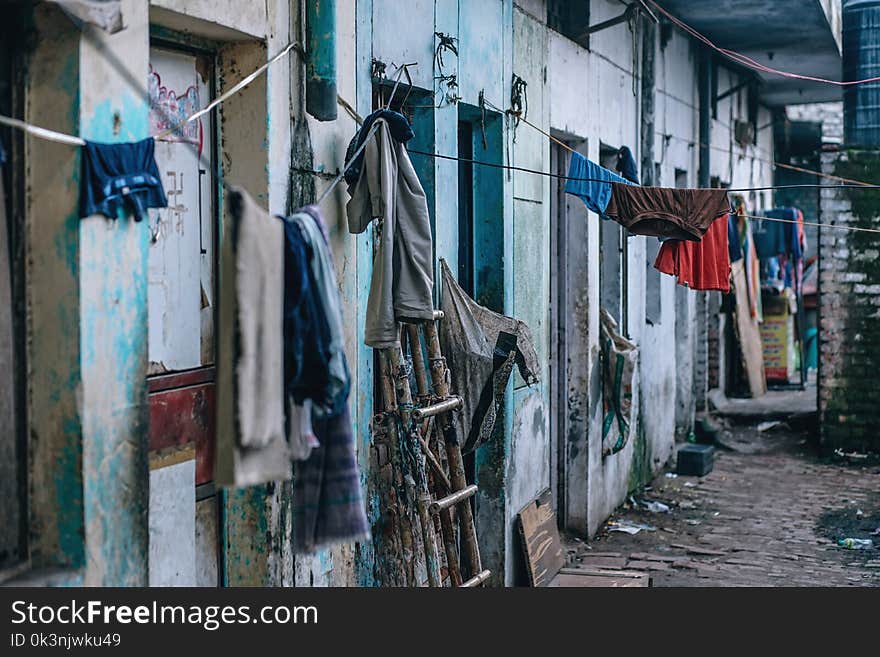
pixel 591 183
pixel 747 330
pixel 301 436
pixel 328 506
pixel 323 277
pixel 799 262
pixel 481 348
pixel 403 279
pixel 397 124
pixel 683 214
pixel 703 265
pixel 251 445
pixel 619 357
pixel 626 165
pixel 119 179
pixel 751 264
pixel 307 335
pixel 802 235
pixel 734 245
pixel 752 269
pixel 774 238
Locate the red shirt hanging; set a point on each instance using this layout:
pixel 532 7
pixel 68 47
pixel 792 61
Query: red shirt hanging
pixel 703 265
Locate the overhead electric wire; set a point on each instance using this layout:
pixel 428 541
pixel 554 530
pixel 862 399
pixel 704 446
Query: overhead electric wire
pixel 748 62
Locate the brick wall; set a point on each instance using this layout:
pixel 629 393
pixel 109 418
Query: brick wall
pixel 701 362
pixel 849 307
pixel 830 115
pixel 713 340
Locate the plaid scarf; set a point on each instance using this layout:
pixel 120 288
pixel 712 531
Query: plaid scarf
pixel 328 506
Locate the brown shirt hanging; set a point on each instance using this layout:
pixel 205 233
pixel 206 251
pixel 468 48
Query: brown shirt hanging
pixel 682 214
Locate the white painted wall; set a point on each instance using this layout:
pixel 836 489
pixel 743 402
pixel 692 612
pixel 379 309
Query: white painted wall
pixel 592 98
pixel 173 524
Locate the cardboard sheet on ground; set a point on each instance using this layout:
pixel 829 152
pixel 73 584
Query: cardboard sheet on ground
pixel 545 558
pixel 748 332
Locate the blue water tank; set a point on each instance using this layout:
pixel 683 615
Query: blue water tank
pixel 861 60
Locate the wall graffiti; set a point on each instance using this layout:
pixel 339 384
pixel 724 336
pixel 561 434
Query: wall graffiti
pixel 169 108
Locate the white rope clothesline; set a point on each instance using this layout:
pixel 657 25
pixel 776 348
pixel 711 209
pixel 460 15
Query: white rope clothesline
pixel 42 133
pixel 72 140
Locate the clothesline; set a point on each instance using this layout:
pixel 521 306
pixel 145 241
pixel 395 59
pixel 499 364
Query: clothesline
pixel 233 90
pixel 811 223
pixel 59 137
pixel 561 143
pixel 72 140
pixel 742 189
pixel 605 180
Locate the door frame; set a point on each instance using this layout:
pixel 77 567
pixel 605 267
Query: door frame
pixel 569 389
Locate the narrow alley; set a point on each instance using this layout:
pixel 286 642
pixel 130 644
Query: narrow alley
pixel 769 514
pixel 439 293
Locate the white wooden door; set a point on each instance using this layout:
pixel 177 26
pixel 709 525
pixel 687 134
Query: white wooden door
pixel 181 270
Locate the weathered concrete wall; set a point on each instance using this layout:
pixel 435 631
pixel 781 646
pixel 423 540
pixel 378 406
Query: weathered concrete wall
pixel 86 290
pixel 596 96
pixel 849 308
pixel 343 565
pixel 113 318
pixel 675 96
pixel 830 115
pixel 529 471
pixel 53 395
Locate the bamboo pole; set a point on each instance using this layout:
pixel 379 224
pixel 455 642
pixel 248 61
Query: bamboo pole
pixel 447 527
pixel 404 526
pixel 416 468
pixel 440 379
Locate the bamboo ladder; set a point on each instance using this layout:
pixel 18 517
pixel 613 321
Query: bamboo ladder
pixel 426 456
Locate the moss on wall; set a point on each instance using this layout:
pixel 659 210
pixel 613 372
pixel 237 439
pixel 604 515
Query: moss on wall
pixel 865 204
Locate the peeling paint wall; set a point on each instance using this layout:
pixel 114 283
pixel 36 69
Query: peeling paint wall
pixel 54 392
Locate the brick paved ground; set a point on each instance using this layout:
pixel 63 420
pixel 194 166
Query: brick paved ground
pixel 768 515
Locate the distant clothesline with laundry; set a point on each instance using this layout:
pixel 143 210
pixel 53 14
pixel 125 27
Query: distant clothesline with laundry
pixel 520 117
pixel 73 140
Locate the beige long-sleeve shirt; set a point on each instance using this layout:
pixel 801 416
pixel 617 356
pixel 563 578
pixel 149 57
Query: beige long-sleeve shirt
pixel 403 280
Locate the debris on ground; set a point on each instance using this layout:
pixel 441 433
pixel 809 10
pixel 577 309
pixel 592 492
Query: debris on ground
pixel 771 513
pixel 630 528
pixel 766 426
pixel 856 543
pixel 693 549
pixel 656 507
pixel 855 456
